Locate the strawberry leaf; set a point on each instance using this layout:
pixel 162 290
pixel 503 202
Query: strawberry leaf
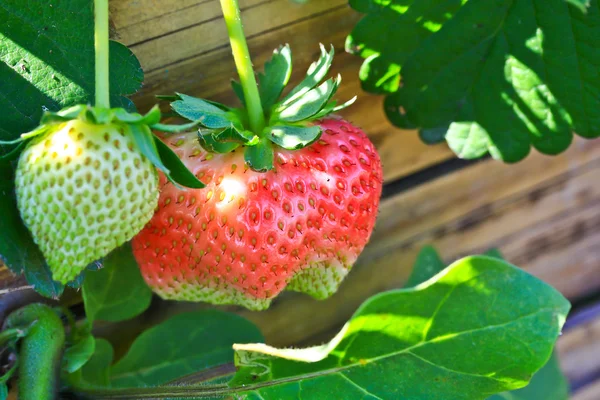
pixel 499 77
pixel 47 62
pixel 549 383
pixel 277 74
pixel 97 370
pixel 427 265
pixel 117 291
pixel 294 137
pixel 77 355
pixel 203 340
pixel 505 319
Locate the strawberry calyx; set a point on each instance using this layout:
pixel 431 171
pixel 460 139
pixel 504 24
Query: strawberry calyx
pixel 137 125
pixel 289 119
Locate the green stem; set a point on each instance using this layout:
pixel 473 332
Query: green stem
pixel 161 392
pixel 243 63
pixel 39 352
pixel 101 45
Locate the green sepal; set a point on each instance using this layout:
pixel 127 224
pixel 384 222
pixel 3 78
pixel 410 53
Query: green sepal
pixel 208 143
pixel 239 92
pixel 232 134
pixel 179 173
pixel 209 115
pixel 310 103
pixel 316 73
pixel 162 157
pixel 175 128
pixel 14 153
pixel 260 156
pixel 293 137
pixel 276 75
pixel 152 117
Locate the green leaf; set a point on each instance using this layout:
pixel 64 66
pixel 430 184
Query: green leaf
pixel 97 370
pixel 239 91
pixel 277 74
pixel 79 354
pixel 3 391
pixel 260 156
pixel 178 172
pixel 427 265
pixel 184 344
pixel 310 103
pixel 293 137
pixel 17 248
pixel 196 109
pixel 549 383
pixel 315 74
pixel 581 4
pixel 47 62
pixel 480 327
pixel 499 76
pixel 116 292
pixel 494 253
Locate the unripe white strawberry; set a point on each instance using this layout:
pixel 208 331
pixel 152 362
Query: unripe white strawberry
pixel 84 189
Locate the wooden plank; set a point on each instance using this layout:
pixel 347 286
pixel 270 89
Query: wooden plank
pixel 579 351
pixel 591 392
pixel 196 59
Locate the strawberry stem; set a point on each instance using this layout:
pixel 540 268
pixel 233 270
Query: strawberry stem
pixel 101 45
pixel 243 63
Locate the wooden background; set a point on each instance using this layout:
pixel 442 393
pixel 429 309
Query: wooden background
pixel 542 213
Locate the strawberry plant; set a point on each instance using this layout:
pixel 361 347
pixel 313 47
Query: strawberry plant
pixel 495 77
pixel 231 207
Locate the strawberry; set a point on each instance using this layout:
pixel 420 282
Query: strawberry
pixel 249 235
pixel 290 201
pixel 86 183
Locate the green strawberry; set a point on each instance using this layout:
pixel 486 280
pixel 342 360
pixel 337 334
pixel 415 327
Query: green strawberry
pixel 86 182
pixel 82 190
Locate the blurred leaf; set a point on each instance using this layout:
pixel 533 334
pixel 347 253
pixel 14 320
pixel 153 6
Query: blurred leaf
pixel 117 291
pixel 184 344
pixel 77 355
pixel 97 370
pixel 549 383
pixel 17 249
pixel 412 343
pixel 47 62
pixel 492 77
pixel 427 265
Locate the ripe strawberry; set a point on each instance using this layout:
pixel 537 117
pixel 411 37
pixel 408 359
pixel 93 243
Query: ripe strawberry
pixel 249 235
pixel 86 183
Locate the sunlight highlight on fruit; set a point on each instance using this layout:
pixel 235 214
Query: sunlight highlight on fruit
pixel 61 144
pixel 232 189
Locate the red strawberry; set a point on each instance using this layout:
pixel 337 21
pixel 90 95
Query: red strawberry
pixel 249 235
